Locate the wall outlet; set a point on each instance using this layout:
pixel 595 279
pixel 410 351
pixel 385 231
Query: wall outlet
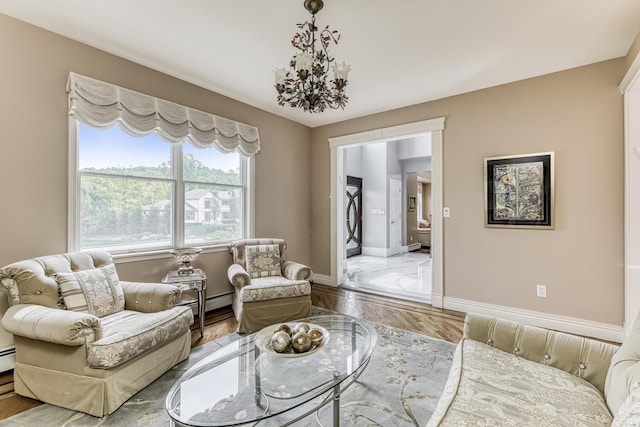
pixel 541 291
pixel 446 212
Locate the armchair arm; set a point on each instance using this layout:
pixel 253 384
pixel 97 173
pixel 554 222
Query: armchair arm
pixel 149 297
pixel 238 276
pixel 295 271
pixel 583 357
pixel 53 325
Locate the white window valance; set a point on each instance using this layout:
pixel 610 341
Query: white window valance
pixel 101 105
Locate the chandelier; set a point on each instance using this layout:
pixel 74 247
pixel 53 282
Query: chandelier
pixel 304 85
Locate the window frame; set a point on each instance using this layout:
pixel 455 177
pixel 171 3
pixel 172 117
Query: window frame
pixel 247 222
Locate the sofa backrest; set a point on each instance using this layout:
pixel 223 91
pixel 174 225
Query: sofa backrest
pixel 35 278
pixel 624 369
pixel 237 248
pixel 585 358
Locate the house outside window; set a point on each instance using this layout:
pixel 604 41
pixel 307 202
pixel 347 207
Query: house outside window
pixel 129 192
pixel 190 214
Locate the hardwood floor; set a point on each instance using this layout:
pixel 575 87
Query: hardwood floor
pixel 416 317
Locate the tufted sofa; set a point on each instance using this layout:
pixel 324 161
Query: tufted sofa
pixel 508 374
pixel 270 290
pixel 88 352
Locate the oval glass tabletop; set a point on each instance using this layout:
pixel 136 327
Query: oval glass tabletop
pixel 240 383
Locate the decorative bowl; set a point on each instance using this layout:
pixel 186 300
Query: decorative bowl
pixel 185 256
pixel 263 341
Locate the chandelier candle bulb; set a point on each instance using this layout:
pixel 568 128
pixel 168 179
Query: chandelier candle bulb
pixel 280 73
pixel 303 62
pixel 341 70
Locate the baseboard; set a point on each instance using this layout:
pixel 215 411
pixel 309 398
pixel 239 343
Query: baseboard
pixel 323 279
pixel 387 252
pixel 381 252
pixel 556 322
pixel 7 359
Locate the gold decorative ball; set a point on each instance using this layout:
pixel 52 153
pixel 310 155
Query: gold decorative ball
pixel 283 327
pixel 300 327
pixel 316 337
pixel 280 341
pixel 301 342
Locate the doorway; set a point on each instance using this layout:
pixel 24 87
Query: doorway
pixel 338 145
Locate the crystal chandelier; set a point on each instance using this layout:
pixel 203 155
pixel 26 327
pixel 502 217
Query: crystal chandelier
pixel 305 84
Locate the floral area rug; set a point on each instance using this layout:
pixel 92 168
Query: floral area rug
pixel 400 387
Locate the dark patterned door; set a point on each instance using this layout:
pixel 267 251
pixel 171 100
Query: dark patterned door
pixel 354 216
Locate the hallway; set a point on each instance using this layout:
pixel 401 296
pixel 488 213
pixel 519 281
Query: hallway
pixel 406 276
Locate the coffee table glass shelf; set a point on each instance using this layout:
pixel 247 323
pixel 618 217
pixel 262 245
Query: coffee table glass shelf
pixel 242 383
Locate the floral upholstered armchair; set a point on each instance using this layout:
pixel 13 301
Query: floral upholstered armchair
pixel 268 288
pixel 84 339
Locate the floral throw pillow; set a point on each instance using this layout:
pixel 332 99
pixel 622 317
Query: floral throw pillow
pixel 96 291
pixel 11 287
pixel 263 260
pixel 629 413
pixel 9 279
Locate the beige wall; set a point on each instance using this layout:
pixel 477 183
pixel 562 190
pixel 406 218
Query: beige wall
pixel 34 153
pixel 578 114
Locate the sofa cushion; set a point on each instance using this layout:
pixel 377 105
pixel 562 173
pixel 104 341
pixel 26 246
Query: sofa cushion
pixel 263 260
pixel 96 291
pixel 629 412
pixel 490 387
pixel 268 288
pixel 127 334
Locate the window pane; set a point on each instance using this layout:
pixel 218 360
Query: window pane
pixel 124 213
pixel 210 165
pixel 212 213
pixel 112 151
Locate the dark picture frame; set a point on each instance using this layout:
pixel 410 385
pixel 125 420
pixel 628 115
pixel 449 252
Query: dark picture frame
pixel 412 204
pixel 519 191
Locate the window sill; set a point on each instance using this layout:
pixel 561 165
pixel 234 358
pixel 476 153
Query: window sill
pixel 164 253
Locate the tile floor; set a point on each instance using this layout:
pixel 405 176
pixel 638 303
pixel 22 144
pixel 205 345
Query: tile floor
pixel 406 275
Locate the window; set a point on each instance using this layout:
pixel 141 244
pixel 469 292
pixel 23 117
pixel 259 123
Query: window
pixel 142 193
pixel 166 189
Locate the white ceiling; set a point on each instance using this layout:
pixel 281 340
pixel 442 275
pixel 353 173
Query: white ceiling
pixel 402 52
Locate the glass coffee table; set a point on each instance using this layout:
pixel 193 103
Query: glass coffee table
pixel 245 383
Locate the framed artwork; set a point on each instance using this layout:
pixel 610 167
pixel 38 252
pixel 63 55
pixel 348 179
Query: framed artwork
pixel 412 203
pixel 519 191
